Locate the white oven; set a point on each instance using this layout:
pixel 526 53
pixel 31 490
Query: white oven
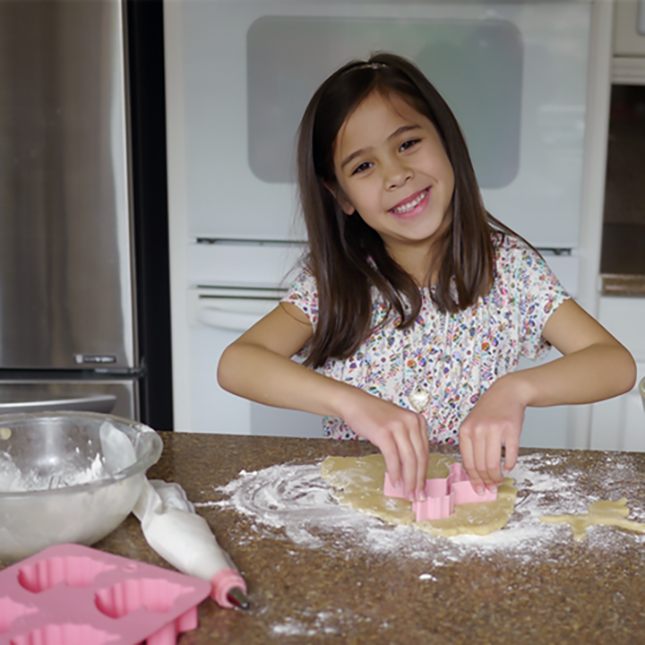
pixel 238 77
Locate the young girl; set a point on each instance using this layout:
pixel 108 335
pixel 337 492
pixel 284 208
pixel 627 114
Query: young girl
pixel 415 304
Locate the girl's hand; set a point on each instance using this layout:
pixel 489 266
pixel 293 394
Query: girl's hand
pixel 594 366
pixel 495 421
pixel 401 435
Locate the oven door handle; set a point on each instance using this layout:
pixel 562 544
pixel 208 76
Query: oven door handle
pixel 233 314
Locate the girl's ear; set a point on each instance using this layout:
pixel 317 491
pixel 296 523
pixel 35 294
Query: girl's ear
pixel 340 197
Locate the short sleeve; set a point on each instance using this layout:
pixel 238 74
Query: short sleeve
pixel 304 294
pixel 537 294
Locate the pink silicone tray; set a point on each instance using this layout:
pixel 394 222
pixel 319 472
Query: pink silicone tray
pixel 75 595
pixel 443 494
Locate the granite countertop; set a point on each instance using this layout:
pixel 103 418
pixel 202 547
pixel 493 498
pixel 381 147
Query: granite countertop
pixel 407 587
pixel 622 285
pixel 339 590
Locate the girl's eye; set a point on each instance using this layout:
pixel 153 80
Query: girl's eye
pixel 362 168
pixel 409 144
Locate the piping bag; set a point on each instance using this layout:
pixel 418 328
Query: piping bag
pixel 184 539
pixel 173 529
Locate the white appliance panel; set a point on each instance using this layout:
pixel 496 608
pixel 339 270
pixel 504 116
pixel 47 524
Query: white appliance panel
pixel 215 410
pixel 225 263
pixel 515 75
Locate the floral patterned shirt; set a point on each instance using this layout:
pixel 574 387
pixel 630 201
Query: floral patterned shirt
pixel 454 358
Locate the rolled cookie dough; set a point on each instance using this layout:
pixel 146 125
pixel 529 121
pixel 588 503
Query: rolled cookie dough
pixel 359 483
pixel 604 512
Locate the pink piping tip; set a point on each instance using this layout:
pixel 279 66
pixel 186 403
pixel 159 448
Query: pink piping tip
pixel 443 494
pixel 223 582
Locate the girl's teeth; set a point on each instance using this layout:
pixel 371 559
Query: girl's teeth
pixel 410 205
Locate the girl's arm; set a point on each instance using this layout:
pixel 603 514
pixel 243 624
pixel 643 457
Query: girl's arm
pixel 258 366
pixel 594 366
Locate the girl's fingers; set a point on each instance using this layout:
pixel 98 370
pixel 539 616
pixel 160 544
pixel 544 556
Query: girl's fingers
pixel 412 448
pixel 488 459
pixel 480 456
pixel 468 459
pixel 494 474
pixel 402 438
pixel 409 460
pixel 479 460
pixel 421 446
pixel 392 463
pixel 511 451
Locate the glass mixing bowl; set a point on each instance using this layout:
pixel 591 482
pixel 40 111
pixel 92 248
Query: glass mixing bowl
pixel 68 477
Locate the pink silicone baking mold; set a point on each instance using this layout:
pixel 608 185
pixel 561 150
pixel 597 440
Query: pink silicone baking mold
pixel 443 494
pixel 75 595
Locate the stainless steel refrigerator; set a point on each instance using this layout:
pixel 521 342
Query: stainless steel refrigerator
pixel 70 311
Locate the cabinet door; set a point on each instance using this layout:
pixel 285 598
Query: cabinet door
pixel 633 425
pixel 629 28
pixel 619 423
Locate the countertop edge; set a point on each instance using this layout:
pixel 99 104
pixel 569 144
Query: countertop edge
pixel 613 284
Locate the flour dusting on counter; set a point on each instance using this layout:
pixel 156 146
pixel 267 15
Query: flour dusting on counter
pixel 295 500
pixel 324 622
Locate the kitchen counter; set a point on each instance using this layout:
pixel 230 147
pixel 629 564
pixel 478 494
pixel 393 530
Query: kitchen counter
pixel 337 588
pixel 622 285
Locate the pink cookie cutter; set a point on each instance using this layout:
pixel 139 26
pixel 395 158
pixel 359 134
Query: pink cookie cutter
pixel 71 594
pixel 443 494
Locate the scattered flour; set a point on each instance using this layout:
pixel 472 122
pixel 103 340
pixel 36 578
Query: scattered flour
pixel 325 622
pixel 311 623
pixel 292 503
pixel 296 500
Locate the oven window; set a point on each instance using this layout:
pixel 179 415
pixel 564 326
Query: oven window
pixel 475 64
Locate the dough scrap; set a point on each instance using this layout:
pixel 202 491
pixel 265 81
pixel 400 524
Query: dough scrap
pixel 603 512
pixel 359 484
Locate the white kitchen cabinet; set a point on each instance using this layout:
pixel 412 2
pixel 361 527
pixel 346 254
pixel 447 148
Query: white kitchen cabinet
pixel 628 60
pixel 629 28
pixel 619 423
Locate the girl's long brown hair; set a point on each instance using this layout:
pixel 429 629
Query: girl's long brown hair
pixel 341 247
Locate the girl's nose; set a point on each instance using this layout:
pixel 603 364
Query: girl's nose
pixel 397 175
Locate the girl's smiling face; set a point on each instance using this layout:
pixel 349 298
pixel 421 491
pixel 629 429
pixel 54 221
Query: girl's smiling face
pixel 392 168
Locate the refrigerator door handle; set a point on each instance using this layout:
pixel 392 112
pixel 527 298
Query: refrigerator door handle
pixel 93 403
pixel 233 314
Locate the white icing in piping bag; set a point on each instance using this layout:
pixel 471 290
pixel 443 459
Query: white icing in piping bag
pixel 184 539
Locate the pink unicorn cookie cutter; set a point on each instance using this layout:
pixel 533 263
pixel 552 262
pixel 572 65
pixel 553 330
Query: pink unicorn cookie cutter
pixel 442 494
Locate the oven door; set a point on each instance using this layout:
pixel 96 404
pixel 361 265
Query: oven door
pixel 218 317
pixel 240 73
